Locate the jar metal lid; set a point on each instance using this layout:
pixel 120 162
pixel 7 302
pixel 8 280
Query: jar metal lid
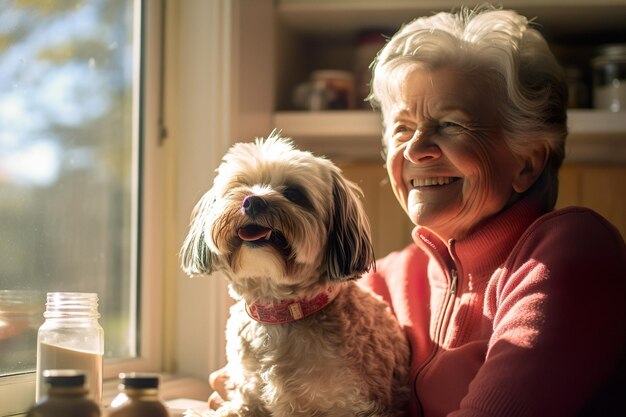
pixel 613 49
pixel 615 52
pixel 138 380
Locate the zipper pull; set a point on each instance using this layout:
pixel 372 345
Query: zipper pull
pixel 455 278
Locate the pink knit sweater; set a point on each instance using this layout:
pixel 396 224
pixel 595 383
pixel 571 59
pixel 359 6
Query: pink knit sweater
pixel 526 317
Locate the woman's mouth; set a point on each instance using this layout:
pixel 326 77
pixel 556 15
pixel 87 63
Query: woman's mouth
pixel 428 182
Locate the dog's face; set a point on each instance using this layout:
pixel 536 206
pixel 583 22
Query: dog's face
pixel 279 216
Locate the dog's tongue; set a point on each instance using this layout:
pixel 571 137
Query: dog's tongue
pixel 253 232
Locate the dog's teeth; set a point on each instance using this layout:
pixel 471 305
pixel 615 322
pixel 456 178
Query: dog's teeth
pixel 268 235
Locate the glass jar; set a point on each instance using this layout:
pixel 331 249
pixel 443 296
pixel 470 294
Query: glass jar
pixel 138 397
pixel 67 396
pixel 332 90
pixel 71 338
pixel 609 78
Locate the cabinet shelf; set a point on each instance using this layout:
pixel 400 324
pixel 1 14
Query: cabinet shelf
pixel 594 136
pixel 563 18
pixel 346 134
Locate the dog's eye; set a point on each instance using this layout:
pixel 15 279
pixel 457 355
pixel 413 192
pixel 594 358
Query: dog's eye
pixel 296 195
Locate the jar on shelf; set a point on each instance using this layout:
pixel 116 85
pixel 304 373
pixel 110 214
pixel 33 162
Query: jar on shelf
pixel 326 90
pixel 609 78
pixel 71 338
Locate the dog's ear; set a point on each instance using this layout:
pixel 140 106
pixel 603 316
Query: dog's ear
pixel 349 250
pixel 195 256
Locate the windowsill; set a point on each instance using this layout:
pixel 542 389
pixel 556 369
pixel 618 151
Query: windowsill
pixel 177 391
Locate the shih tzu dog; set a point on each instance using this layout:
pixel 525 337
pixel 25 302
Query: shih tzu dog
pixel 290 234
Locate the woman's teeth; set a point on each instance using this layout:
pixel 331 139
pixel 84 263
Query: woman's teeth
pixel 425 182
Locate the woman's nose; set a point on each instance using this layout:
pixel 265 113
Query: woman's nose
pixel 421 148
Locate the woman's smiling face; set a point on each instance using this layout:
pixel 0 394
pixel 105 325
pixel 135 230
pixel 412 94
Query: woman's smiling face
pixel 447 161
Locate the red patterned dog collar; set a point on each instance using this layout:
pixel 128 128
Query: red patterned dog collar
pixel 287 311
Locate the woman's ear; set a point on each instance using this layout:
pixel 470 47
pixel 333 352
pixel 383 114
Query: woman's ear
pixel 531 167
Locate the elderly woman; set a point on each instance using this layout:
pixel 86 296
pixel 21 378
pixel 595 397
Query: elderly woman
pixel 512 308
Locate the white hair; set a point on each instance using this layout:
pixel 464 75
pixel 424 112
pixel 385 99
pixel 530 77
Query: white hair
pixel 499 46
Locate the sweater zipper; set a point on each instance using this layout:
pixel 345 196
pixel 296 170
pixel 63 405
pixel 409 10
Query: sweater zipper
pixel 438 335
pixel 455 279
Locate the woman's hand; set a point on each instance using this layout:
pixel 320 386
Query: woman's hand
pixel 220 382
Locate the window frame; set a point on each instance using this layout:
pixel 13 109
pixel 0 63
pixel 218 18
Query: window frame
pixel 148 260
pixel 220 90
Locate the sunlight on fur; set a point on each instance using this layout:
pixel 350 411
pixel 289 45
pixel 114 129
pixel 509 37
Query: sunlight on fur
pixel 260 263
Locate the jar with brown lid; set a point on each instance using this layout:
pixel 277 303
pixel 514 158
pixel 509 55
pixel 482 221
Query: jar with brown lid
pixel 139 397
pixel 66 396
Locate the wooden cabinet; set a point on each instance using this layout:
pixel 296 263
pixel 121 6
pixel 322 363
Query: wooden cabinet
pixel 597 186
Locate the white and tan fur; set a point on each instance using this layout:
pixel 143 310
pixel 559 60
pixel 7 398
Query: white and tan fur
pixel 349 359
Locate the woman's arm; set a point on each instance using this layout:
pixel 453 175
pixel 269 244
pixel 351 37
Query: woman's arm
pixel 559 318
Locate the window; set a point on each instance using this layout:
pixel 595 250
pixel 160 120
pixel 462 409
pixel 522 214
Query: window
pixel 71 171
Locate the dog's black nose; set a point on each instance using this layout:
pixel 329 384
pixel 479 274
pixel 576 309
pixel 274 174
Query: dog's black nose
pixel 253 205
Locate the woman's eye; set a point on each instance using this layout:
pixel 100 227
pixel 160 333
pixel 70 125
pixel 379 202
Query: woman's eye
pixel 450 126
pixel 401 131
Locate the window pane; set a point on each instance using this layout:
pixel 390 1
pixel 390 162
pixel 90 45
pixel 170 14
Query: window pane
pixel 68 167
